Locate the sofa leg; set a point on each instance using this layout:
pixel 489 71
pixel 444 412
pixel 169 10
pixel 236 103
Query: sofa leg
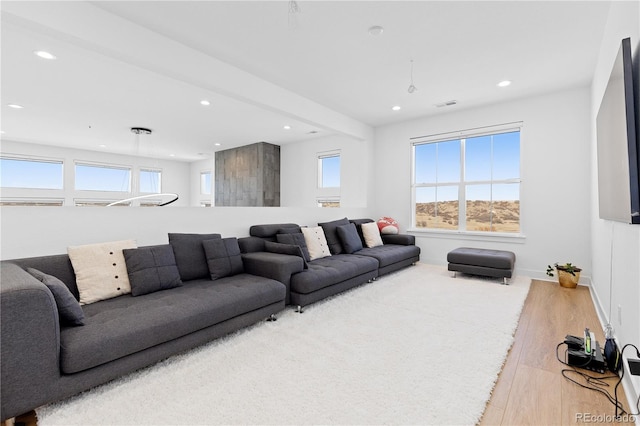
pixel 374 278
pixel 453 274
pixel 299 309
pixel 272 317
pixel 504 281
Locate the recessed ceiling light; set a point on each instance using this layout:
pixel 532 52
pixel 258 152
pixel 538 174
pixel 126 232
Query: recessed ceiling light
pixel 172 155
pixel 15 106
pixel 287 127
pixel 376 30
pixel 217 144
pixel 396 108
pixel 504 83
pixel 205 102
pixel 102 145
pixel 43 54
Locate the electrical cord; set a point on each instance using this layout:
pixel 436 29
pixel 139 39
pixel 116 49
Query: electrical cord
pixel 620 381
pixel 597 383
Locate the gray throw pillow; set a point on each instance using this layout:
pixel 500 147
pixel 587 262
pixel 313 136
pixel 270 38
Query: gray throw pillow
pixel 297 239
pixel 223 257
pixel 190 257
pixel 331 235
pixel 291 249
pixel 69 309
pixel 151 269
pixel 349 237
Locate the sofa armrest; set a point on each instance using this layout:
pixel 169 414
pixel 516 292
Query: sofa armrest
pixel 30 341
pixel 400 239
pixel 276 266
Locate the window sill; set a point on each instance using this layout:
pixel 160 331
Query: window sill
pixel 469 235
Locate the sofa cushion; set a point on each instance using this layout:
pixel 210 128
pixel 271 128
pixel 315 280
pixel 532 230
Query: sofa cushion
pixel 101 272
pixel 316 242
pixel 290 249
pixel 358 223
pixel 269 231
pixel 189 253
pixel 69 310
pixel 223 257
pixel 333 241
pixel 297 239
pixel 388 254
pixel 349 238
pixel 151 268
pixel 132 324
pixel 371 234
pixel 331 270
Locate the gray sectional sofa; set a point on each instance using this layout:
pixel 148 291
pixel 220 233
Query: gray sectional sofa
pixel 44 360
pixel 329 275
pixel 195 289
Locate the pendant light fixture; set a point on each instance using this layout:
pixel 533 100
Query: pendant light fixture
pixel 165 198
pixel 411 87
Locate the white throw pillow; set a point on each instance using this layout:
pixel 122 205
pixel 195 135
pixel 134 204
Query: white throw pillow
pixel 316 242
pixel 371 234
pixel 101 271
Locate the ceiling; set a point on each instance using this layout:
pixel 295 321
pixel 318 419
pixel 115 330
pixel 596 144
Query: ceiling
pixel 122 64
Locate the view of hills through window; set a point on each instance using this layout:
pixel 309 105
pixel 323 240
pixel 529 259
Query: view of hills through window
pixel 469 184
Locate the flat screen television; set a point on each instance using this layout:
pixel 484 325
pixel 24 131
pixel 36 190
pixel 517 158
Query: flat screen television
pixel 618 144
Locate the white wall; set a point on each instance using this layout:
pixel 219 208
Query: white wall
pixel 175 174
pixel 299 172
pixel 555 172
pixel 39 231
pixel 616 246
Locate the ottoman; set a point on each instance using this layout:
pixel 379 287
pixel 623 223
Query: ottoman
pixel 485 262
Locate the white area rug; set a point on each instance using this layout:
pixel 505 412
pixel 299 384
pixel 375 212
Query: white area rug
pixel 414 347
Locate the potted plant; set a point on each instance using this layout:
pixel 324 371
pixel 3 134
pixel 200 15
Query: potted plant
pixel 568 274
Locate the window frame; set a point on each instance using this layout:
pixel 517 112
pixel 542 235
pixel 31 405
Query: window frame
pixel 461 185
pixel 114 166
pixel 321 156
pixel 35 159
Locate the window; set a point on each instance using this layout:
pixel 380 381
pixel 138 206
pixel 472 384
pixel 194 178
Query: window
pixel 470 182
pixel 33 202
pixel 329 202
pixel 329 170
pixel 31 173
pixel 150 181
pixel 205 183
pixel 98 203
pixel 100 177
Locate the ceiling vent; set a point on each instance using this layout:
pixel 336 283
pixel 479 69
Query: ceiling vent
pixel 446 104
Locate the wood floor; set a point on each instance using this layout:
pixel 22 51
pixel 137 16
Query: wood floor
pixel 531 389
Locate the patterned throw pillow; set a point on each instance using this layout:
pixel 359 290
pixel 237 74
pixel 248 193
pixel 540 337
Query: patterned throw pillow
pixel 316 242
pixel 223 257
pixel 151 269
pixel 101 272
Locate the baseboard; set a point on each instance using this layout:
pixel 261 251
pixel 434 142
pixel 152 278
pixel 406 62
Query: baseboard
pixel 630 391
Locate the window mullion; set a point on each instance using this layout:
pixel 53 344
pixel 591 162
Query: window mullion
pixel 462 192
